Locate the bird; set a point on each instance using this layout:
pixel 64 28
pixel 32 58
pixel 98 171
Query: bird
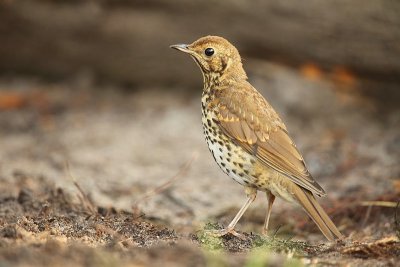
pixel 248 139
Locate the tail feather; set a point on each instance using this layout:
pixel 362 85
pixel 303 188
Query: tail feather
pixel 317 213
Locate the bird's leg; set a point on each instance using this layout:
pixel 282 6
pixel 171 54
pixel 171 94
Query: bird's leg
pixel 271 199
pixel 251 196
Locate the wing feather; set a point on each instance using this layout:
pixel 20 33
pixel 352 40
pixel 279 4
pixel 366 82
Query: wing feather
pixel 261 132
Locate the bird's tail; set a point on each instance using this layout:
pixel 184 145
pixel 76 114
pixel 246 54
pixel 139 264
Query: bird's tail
pixel 317 213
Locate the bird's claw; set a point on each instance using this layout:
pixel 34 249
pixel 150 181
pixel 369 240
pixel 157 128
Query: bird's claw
pixel 264 233
pixel 222 232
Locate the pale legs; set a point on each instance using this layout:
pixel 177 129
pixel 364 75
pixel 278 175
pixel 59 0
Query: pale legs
pixel 251 196
pixel 271 199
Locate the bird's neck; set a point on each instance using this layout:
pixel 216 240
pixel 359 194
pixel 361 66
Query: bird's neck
pixel 212 81
pixel 217 81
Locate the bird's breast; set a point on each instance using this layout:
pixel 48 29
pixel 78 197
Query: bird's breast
pixel 232 159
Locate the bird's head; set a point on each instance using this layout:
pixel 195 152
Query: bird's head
pixel 215 55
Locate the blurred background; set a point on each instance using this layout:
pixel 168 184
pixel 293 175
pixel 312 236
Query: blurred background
pixel 91 92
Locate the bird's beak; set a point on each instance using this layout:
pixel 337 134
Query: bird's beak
pixel 181 47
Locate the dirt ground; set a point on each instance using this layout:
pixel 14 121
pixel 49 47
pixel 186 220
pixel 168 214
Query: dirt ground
pixel 99 175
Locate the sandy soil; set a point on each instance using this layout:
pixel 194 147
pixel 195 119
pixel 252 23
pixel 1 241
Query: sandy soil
pixel 116 176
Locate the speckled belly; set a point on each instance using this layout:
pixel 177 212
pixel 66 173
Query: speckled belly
pixel 241 166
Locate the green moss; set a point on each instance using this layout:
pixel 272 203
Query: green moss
pixel 215 259
pixel 257 258
pixel 281 245
pixel 207 240
pixel 261 251
pixel 293 263
pixel 260 257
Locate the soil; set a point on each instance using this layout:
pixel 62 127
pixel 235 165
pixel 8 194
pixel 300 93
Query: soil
pixel 98 175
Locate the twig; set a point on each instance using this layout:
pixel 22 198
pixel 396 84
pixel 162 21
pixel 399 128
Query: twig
pixel 276 231
pixel 83 197
pixel 396 219
pixel 161 188
pixel 178 202
pixel 86 199
pixel 388 204
pixel 366 216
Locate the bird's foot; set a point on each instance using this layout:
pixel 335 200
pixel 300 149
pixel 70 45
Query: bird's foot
pixel 264 232
pixel 222 232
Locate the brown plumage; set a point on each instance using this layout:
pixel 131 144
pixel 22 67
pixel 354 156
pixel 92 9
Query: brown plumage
pixel 247 138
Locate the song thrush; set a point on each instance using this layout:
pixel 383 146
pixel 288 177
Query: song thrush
pixel 247 138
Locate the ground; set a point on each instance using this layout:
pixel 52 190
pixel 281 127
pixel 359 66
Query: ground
pixel 96 174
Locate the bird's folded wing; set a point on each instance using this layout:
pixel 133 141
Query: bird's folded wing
pixel 261 133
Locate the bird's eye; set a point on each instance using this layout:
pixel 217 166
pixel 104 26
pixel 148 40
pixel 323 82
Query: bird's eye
pixel 209 52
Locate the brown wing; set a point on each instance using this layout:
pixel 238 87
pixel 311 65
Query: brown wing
pixel 253 124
